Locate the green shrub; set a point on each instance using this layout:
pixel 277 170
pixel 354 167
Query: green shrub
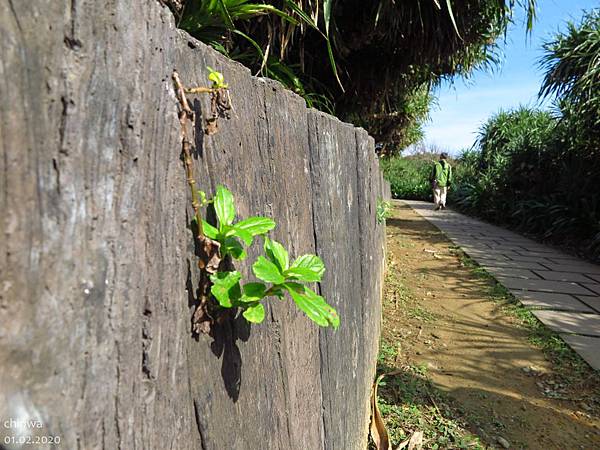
pixel 408 176
pixel 534 174
pixel 514 147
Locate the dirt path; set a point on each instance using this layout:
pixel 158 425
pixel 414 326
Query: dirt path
pixel 440 319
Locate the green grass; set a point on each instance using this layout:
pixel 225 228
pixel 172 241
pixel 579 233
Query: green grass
pixel 417 312
pixel 402 243
pixel 409 402
pixel 404 298
pixel 387 352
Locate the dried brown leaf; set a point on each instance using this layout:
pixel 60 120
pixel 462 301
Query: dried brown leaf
pixel 378 431
pixel 212 126
pixel 210 255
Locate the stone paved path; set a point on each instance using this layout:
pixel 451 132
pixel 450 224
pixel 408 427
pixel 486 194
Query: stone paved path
pixel 561 290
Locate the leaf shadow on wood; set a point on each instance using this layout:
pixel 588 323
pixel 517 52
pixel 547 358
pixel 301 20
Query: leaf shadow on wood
pixel 225 332
pixel 224 345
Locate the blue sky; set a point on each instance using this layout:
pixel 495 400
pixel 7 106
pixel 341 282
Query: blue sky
pixel 465 105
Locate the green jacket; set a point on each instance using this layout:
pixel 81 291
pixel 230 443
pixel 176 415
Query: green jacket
pixel 441 175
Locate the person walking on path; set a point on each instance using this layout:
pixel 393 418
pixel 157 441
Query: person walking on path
pixel 441 179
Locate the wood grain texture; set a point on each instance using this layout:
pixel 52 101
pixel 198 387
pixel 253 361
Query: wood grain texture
pixel 97 262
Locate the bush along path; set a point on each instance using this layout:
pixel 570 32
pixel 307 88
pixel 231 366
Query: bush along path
pixel 469 367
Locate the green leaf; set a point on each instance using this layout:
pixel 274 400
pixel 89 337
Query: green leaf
pixel 209 230
pixel 267 271
pixel 217 77
pixel 305 17
pixel 333 64
pixel 255 313
pixel 277 292
pixel 232 246
pixel 252 41
pixel 243 235
pixel 327 6
pixel 226 287
pixel 329 311
pixel 449 5
pixel 313 305
pixel 305 264
pixel 255 225
pixel 302 274
pixel 253 292
pixel 224 207
pixel 277 254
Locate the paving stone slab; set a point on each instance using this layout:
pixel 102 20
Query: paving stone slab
pixel 476 252
pixel 581 267
pixel 511 264
pixel 572 277
pixel 507 236
pixel 595 287
pixel 562 287
pixel 519 240
pixel 504 248
pixel 537 248
pixel 491 258
pixel 587 347
pixel 513 272
pixel 562 259
pixel 517 257
pixel 500 241
pixel 548 300
pixel 570 322
pixel 592 302
pixel 595 277
pixel 542 254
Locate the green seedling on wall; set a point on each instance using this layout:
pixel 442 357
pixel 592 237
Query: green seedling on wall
pixel 384 211
pixel 217 78
pixel 276 273
pixel 229 234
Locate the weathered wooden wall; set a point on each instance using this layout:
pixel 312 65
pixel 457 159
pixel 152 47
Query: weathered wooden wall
pixel 96 255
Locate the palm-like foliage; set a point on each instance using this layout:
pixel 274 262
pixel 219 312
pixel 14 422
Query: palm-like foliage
pixel 373 62
pixel 258 35
pixel 572 68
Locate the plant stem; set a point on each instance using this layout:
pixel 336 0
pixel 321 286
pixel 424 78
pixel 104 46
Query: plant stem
pixel 200 90
pixel 184 114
